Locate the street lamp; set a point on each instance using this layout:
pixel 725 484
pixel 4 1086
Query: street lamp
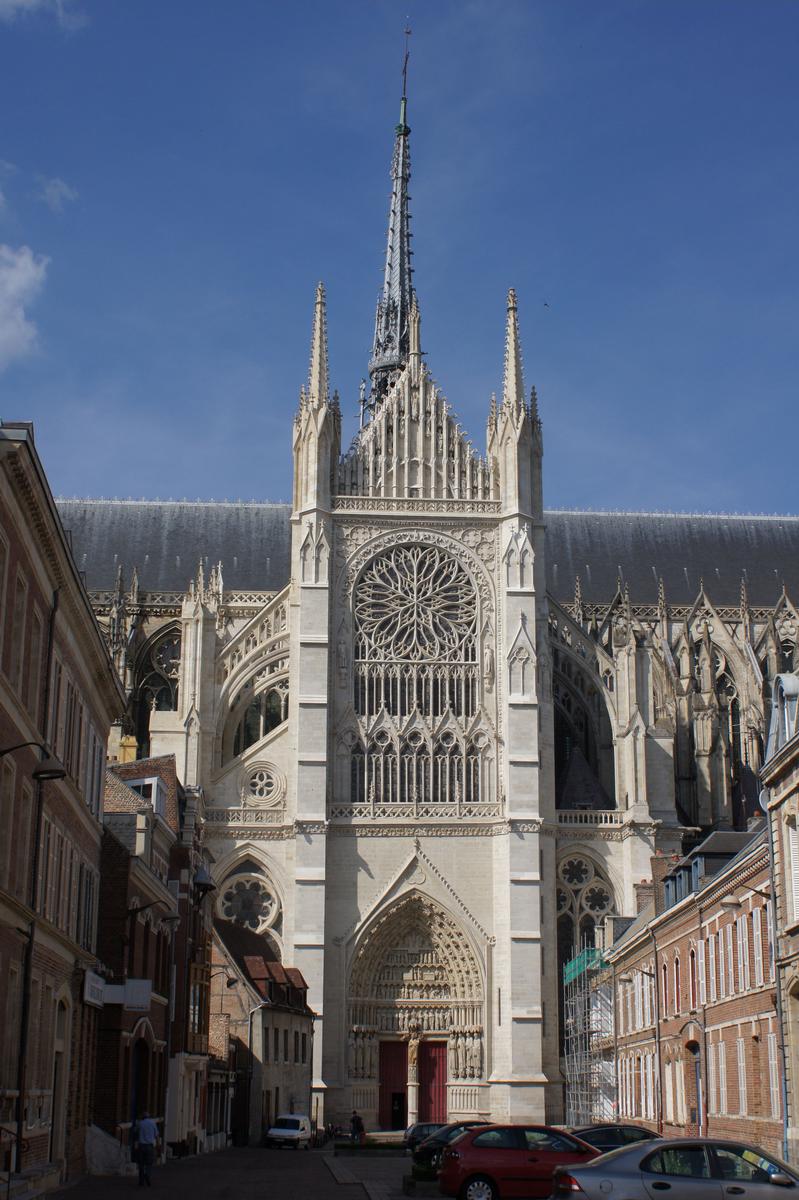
pixel 731 902
pixel 48 768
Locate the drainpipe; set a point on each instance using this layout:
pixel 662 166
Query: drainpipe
pixel 658 1052
pixel 775 944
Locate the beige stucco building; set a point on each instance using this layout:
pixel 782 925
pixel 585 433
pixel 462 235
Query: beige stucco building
pixel 439 732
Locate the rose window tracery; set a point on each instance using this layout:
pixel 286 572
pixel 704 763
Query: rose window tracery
pixel 248 901
pixel 584 896
pixel 416 603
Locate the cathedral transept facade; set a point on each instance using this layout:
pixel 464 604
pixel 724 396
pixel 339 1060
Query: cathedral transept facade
pixel 437 733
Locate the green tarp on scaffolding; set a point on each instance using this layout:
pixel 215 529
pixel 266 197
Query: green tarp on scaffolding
pixel 588 958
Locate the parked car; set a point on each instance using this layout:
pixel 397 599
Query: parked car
pixel 417 1133
pixel 290 1130
pixel 428 1152
pixel 609 1137
pixel 683 1168
pixel 500 1161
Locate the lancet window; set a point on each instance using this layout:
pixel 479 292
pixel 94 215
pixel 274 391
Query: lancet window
pixel 157 675
pixel 417 682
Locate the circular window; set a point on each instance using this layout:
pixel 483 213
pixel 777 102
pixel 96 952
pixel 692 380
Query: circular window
pixel 262 785
pixel 248 902
pixel 416 603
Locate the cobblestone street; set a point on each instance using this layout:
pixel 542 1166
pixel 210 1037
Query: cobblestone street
pixel 242 1174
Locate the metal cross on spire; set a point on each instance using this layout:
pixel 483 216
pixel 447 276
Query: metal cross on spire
pixel 392 322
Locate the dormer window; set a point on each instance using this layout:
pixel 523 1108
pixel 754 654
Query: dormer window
pixel 153 791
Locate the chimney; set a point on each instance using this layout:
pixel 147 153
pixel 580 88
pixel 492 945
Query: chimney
pixel 662 865
pixel 644 894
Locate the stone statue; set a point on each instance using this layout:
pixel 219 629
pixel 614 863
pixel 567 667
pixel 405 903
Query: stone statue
pixel 461 1056
pixel 488 667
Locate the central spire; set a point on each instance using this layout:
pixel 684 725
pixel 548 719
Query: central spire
pixel 392 322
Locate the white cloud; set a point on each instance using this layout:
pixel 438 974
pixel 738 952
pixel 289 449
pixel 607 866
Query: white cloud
pixel 55 192
pixel 64 10
pixel 22 275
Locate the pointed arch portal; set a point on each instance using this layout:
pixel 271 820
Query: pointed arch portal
pixel 416 1015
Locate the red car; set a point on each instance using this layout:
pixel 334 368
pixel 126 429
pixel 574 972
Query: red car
pixel 497 1161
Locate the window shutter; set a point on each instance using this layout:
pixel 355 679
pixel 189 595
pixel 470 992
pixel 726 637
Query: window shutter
pixel 722 971
pixel 701 961
pixel 773 1075
pixel 745 940
pixel 793 881
pixel 757 942
pixel 711 965
pixel 711 1070
pixel 741 1077
pixel 770 937
pixel 722 1050
pixel 730 961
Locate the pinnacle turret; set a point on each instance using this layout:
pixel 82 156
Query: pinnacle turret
pixel 318 376
pixel 513 385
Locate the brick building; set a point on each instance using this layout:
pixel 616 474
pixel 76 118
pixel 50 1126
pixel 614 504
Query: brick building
pixel 189 886
pixel 690 986
pixel 261 1006
pixel 780 777
pixel 135 941
pixel 58 689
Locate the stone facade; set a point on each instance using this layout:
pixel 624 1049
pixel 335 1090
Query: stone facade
pixel 438 733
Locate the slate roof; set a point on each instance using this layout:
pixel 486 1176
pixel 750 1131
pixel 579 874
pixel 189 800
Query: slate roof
pixel 165 540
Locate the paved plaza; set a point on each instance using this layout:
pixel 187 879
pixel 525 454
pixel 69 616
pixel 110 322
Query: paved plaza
pixel 249 1173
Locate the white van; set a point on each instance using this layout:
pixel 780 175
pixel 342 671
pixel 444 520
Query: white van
pixel 291 1129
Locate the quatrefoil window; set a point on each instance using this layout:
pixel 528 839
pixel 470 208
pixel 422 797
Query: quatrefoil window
pixel 263 785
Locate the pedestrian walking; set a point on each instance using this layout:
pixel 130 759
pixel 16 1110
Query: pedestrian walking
pixel 356 1128
pixel 147 1140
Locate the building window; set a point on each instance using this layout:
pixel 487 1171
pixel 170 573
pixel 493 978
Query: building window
pixel 774 1076
pixel 18 632
pixel 285 1045
pixel 677 999
pixel 305 1047
pixel 35 666
pixel 711 966
pixel 276 1045
pixel 722 970
pixel 741 1050
pixel 743 953
pixel 730 959
pixel 7 841
pixel 722 1055
pixel 770 936
pixel 296 1046
pixel 692 979
pixel 757 944
pixel 792 880
pixel 664 987
pixel 153 791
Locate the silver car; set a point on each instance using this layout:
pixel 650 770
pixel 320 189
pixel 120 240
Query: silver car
pixel 677 1169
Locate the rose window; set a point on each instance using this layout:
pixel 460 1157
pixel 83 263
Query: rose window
pixel 249 902
pixel 576 872
pixel 417 604
pixel 597 899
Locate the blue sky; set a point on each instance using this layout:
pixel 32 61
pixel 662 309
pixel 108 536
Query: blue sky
pixel 177 174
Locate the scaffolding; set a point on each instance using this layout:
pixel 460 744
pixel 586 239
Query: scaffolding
pixel 589 1058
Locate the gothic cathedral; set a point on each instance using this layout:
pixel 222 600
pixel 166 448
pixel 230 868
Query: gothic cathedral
pixel 436 733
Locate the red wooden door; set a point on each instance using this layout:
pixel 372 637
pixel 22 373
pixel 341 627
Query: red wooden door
pixel 433 1081
pixel 393 1085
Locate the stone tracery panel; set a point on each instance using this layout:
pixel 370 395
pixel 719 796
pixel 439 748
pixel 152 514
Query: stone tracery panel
pixel 419 672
